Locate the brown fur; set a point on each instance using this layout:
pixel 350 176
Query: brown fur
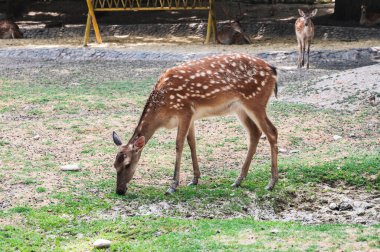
pixel 9 30
pixel 304 29
pixel 369 18
pixel 210 86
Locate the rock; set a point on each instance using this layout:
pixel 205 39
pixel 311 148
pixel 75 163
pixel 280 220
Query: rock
pixel 333 206
pixel 36 137
pixel 336 137
pixel 360 212
pixel 263 137
pixel 80 236
pixel 281 150
pixel 360 220
pixel 70 167
pixel 274 231
pixel 102 243
pixel 344 206
pixel 294 151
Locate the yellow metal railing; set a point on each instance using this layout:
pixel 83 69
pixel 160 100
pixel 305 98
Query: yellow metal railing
pixel 148 5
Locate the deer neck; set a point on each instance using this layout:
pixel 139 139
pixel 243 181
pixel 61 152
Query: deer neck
pixel 150 119
pixel 363 18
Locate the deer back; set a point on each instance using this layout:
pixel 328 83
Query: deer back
pixel 208 87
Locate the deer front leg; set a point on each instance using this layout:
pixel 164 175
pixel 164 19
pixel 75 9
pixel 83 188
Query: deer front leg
pixel 308 52
pixel 183 128
pixel 191 142
pixel 299 54
pixel 303 53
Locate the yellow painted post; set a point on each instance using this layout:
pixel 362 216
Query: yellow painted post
pixel 211 24
pixel 94 22
pixel 87 31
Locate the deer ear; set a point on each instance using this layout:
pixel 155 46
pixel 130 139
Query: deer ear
pixel 139 143
pixel 116 139
pixel 302 14
pixel 314 12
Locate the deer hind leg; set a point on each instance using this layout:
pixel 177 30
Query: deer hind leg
pixel 183 128
pixel 191 142
pixel 266 126
pixel 254 137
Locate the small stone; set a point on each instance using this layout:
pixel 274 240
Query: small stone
pixel 80 236
pixel 274 231
pixel 36 137
pixel 294 151
pixel 336 137
pixel 333 206
pixel 263 137
pixel 102 243
pixel 352 135
pixel 281 150
pixel 344 206
pixel 70 167
pixel 360 212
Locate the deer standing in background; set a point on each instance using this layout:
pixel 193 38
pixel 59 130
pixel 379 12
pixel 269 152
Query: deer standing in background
pixel 9 30
pixel 211 86
pixel 233 33
pixel 369 18
pixel 304 28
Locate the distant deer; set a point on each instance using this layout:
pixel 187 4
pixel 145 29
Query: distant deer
pixel 369 18
pixel 211 86
pixel 233 33
pixel 304 28
pixel 9 30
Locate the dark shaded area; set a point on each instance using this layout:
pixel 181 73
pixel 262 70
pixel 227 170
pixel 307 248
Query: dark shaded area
pixel 350 9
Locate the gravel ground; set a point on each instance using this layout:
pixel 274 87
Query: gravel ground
pixel 323 85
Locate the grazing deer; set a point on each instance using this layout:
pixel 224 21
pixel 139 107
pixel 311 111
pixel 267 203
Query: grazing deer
pixel 211 86
pixel 233 33
pixel 369 18
pixel 304 28
pixel 9 29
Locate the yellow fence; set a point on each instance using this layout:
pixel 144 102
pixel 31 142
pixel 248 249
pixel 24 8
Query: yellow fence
pixel 148 5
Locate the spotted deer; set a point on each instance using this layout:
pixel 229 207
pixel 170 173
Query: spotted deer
pixel 211 86
pixel 9 30
pixel 304 28
pixel 369 18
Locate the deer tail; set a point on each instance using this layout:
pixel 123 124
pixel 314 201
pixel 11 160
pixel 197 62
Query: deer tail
pixel 274 69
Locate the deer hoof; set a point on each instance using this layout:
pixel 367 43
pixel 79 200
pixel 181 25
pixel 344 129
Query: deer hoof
pixel 170 191
pixel 236 184
pixel 271 185
pixel 193 183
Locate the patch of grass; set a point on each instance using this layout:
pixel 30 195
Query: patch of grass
pixel 40 189
pixel 167 234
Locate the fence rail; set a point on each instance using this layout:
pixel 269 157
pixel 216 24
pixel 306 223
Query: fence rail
pixel 148 5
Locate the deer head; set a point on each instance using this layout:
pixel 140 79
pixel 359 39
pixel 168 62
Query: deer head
pixel 126 160
pixel 307 16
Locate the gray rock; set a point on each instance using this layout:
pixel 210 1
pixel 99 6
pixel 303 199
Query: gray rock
pixel 333 206
pixel 70 167
pixel 102 243
pixel 36 137
pixel 294 151
pixel 281 150
pixel 336 137
pixel 345 206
